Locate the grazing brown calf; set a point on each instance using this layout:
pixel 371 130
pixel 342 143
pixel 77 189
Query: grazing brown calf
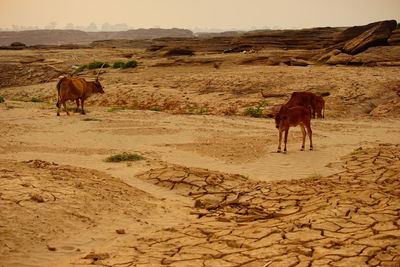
pixel 308 100
pixel 76 89
pixel 290 117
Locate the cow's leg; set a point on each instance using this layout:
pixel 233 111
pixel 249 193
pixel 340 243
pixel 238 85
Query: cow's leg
pixel 309 132
pixel 286 135
pixel 280 141
pixel 65 107
pixel 303 131
pixel 77 105
pixel 58 108
pixel 82 111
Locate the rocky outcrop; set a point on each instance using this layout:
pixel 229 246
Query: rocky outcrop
pixel 374 56
pixel 394 38
pixel 378 34
pixel 57 37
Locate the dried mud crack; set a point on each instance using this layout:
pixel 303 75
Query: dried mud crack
pixel 351 218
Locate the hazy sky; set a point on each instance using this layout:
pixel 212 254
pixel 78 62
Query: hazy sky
pixel 204 14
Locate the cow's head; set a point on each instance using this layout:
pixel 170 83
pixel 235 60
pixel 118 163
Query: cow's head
pixel 98 88
pixel 280 117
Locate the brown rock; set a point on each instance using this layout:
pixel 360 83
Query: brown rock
pixel 341 58
pixel 377 35
pixel 394 39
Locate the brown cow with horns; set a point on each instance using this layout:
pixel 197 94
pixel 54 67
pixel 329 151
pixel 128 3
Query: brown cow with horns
pixel 76 89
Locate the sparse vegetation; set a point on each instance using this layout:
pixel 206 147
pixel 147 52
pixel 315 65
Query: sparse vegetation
pixel 359 151
pixel 244 177
pixel 97 65
pixel 155 109
pixel 91 119
pixel 2 99
pixel 255 112
pixel 36 100
pixel 118 65
pixel 124 157
pixel 315 176
pixel 130 64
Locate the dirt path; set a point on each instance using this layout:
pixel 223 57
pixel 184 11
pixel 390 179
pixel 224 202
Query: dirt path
pixel 236 153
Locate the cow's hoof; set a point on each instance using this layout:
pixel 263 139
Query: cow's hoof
pixel 311 148
pixel 58 114
pixel 278 151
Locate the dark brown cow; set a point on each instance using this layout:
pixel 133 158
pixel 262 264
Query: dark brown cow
pixel 290 117
pixel 76 89
pixel 309 100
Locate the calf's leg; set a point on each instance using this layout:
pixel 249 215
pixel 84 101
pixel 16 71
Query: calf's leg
pixel 280 141
pixel 309 132
pixel 286 135
pixel 303 131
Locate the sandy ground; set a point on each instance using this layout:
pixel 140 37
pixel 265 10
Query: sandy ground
pixel 212 190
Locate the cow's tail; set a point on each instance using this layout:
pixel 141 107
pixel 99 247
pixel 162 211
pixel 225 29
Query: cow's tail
pixel 58 92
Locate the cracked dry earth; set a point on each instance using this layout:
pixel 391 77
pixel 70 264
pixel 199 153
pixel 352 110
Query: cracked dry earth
pixel 351 218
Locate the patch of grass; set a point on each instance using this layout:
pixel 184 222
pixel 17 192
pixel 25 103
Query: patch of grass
pixel 2 99
pixel 255 112
pixel 122 108
pixel 202 111
pixel 91 119
pixel 130 64
pixel 36 100
pixel 155 109
pixel 359 152
pixel 124 157
pixel 315 176
pixel 244 177
pixel 118 65
pixel 97 65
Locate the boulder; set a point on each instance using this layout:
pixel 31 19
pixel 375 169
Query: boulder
pixel 394 39
pixel 377 35
pixel 341 58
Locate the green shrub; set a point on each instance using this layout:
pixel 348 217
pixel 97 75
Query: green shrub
pixel 97 65
pixel 315 176
pixel 155 108
pixel 2 99
pixel 118 65
pixel 36 100
pixel 130 64
pixel 91 119
pixel 255 112
pixel 124 157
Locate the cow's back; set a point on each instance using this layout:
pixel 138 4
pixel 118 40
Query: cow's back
pixel 301 99
pixel 71 88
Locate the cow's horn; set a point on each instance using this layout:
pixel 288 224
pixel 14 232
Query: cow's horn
pixel 98 73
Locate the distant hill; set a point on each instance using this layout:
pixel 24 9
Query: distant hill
pixel 59 37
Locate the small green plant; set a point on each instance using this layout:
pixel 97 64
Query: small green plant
pixel 124 157
pixel 202 111
pixel 315 176
pixel 130 64
pixel 91 119
pixel 359 152
pixel 244 177
pixel 2 99
pixel 97 65
pixel 155 109
pixel 255 112
pixel 36 100
pixel 118 65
